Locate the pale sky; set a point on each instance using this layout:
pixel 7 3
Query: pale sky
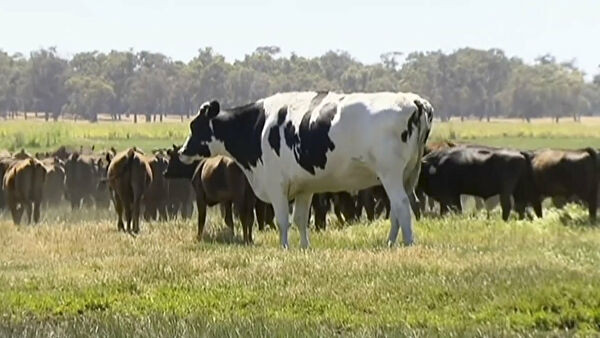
pixel 366 29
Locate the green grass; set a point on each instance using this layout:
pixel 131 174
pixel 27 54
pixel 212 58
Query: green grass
pixel 75 274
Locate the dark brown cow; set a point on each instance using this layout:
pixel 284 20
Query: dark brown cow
pixel 156 197
pixel 129 176
pixel 54 187
pixel 23 185
pixel 566 174
pixel 83 173
pixel 217 180
pixel 81 179
pixel 6 160
pixel 180 199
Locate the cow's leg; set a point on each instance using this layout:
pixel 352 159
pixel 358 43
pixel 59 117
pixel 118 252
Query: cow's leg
pixel 260 209
pixel 28 206
pixel 505 203
pixel 36 210
pixel 368 202
pixel 245 208
pixel 593 205
pixel 15 209
pixel 127 205
pixel 201 205
pixel 400 205
pixel 137 205
pixel 301 214
pixel 162 212
pixel 319 205
pixel 281 209
pixel 537 207
pixel 228 216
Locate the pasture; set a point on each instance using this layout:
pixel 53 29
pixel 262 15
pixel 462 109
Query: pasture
pixel 74 274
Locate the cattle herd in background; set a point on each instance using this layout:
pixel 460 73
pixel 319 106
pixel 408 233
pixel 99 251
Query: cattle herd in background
pixel 159 186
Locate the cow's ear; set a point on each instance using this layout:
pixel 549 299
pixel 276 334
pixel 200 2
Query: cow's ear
pixel 213 109
pixel 109 157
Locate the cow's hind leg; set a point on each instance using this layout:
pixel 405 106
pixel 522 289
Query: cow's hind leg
pixel 28 206
pixel 400 205
pixel 301 215
pixel 228 216
pixel 15 209
pixel 136 210
pixel 36 210
pixel 593 205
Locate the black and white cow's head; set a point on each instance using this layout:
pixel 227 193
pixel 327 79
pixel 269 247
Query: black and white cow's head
pixel 232 132
pixel 201 134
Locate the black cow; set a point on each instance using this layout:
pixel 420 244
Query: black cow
pixel 479 171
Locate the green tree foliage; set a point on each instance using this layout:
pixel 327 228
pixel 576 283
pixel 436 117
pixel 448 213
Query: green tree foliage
pixel 466 83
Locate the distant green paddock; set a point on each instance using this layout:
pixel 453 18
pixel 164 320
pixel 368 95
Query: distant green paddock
pixel 36 135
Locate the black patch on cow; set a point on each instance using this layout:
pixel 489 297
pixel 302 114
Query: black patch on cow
pixel 274 137
pixel 413 122
pixel 311 142
pixel 404 136
pixel 240 129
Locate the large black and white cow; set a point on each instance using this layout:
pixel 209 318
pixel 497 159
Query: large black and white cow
pixel 292 145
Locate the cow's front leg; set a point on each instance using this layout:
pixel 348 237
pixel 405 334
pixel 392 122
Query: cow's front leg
pixel 400 213
pixel 301 215
pixel 281 209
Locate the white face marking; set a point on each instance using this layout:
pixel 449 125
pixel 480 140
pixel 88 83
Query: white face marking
pixel 185 159
pixel 432 170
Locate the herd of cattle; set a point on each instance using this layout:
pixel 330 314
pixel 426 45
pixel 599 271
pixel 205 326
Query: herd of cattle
pixel 145 185
pixel 298 146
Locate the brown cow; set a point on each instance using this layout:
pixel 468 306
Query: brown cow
pixel 83 173
pixel 23 184
pixel 217 180
pixel 566 174
pixel 156 197
pixel 54 186
pixel 129 176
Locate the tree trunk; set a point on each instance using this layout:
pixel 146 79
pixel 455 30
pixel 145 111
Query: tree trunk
pixel 46 116
pixel 161 117
pixel 134 117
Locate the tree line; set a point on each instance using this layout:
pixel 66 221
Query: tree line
pixel 465 83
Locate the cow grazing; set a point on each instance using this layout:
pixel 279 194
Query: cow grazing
pixel 479 171
pixel 23 185
pixel 217 180
pixel 292 145
pixel 129 176
pixel 566 174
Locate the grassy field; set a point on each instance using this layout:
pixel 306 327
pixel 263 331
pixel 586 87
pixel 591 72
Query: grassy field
pixel 75 275
pixel 37 135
